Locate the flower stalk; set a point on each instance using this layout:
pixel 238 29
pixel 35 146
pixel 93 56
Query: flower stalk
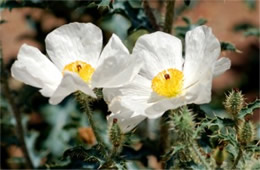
pixel 168 23
pixel 16 112
pixel 239 156
pixel 84 101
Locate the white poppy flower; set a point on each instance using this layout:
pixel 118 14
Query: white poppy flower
pixel 77 62
pixel 167 81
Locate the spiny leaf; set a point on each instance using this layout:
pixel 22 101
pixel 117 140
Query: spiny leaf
pixel 226 46
pixel 249 109
pixel 77 153
pixel 252 32
pixel 105 3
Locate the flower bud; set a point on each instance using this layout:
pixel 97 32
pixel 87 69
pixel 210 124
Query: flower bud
pixel 115 134
pixel 246 132
pixel 234 102
pixel 220 155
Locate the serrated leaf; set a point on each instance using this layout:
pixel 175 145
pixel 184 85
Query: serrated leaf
pixel 104 3
pixel 231 150
pixel 201 21
pixel 249 109
pixel 226 46
pixel 252 32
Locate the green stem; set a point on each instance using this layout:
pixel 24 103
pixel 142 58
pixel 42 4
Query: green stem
pixel 92 123
pixel 149 14
pixel 168 23
pixel 203 161
pixel 240 153
pixel 15 111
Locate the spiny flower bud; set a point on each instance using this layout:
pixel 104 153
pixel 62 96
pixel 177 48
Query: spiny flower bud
pixel 115 134
pixel 234 102
pixel 184 125
pixel 246 132
pixel 220 155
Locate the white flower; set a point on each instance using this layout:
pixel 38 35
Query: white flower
pixel 167 81
pixel 77 62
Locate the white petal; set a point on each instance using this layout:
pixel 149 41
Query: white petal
pixel 138 89
pixel 133 96
pixel 222 65
pixel 70 83
pixel 35 69
pixel 157 109
pixel 202 50
pixel 116 67
pixel 161 51
pixel 75 41
pixel 126 118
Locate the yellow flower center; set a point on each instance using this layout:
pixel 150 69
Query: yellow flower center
pixel 168 83
pixel 83 69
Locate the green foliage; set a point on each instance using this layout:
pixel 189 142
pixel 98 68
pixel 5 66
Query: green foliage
pixel 252 32
pixel 251 3
pixel 248 29
pixel 249 109
pixel 180 31
pixel 132 37
pixel 227 46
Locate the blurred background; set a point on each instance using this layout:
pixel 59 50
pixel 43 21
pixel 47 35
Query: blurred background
pixel 50 130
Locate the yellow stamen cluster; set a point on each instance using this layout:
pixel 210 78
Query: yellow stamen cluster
pixel 168 83
pixel 84 70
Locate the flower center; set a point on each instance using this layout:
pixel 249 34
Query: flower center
pixel 83 69
pixel 168 83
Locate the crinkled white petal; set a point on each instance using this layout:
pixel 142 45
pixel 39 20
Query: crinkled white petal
pixel 75 41
pixel 35 69
pixel 158 108
pixel 160 51
pixel 126 118
pixel 200 92
pixel 133 96
pixel 139 90
pixel 70 83
pixel 222 65
pixel 116 67
pixel 202 50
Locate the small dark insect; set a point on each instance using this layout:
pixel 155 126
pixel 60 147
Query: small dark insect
pixel 79 67
pixel 166 76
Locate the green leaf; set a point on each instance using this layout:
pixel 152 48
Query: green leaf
pixel 186 20
pixel 110 23
pixel 104 3
pixel 135 3
pixel 180 31
pixel 252 32
pixel 131 39
pixel 201 21
pixel 226 46
pixel 249 109
pixel 250 3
